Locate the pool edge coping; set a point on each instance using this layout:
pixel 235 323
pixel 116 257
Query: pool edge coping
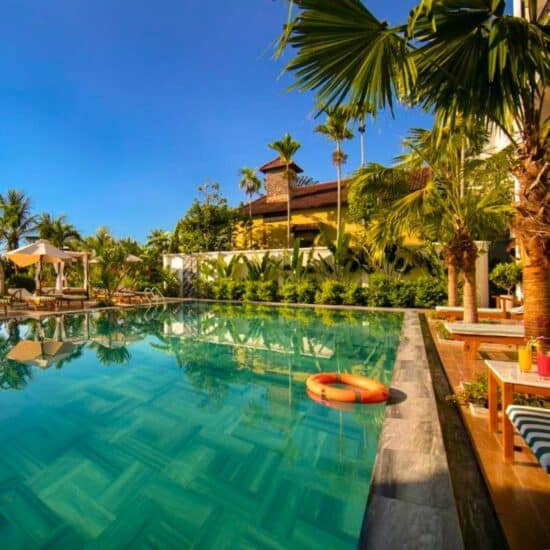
pixel 411 497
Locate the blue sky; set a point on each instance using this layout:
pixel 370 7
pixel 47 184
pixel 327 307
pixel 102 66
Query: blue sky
pixel 113 112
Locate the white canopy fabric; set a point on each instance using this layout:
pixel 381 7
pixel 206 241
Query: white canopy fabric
pixel 39 251
pixel 131 259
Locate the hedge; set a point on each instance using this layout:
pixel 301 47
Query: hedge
pixel 382 291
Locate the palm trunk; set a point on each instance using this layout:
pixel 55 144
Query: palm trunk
pixel 470 293
pixel 451 284
pixel 288 219
pixel 2 279
pixel 536 295
pixel 339 178
pixel 250 222
pixel 531 227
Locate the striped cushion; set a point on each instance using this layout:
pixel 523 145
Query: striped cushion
pixel 533 424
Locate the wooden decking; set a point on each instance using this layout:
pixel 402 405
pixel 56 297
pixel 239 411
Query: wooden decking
pixel 520 491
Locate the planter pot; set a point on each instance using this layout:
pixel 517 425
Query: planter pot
pixel 478 410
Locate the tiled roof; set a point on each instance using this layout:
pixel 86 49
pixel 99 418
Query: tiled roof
pixel 278 163
pixel 321 195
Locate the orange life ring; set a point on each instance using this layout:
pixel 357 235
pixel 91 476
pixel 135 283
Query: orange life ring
pixel 361 390
pixel 338 405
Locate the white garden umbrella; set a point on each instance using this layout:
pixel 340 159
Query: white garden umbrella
pixel 38 252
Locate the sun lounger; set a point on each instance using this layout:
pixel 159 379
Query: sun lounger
pixel 475 334
pixel 533 424
pixel 22 295
pixel 457 312
pixel 70 298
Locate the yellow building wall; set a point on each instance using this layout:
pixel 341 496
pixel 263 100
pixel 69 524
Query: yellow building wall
pixel 271 233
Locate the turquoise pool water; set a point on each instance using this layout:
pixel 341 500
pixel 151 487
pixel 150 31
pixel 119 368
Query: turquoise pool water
pixel 187 426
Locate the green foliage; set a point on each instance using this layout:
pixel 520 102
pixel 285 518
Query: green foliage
pixel 402 293
pixel 301 292
pixel 21 280
pixel 207 225
pixel 429 292
pixel 288 292
pixel 330 292
pixel 262 291
pixel 264 269
pixel 354 295
pixel 57 231
pixel 477 392
pixel 226 289
pixel 16 219
pixel 506 275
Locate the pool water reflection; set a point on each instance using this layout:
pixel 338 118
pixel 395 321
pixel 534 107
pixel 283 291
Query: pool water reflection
pixel 187 425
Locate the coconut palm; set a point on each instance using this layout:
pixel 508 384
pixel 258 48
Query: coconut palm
pixel 336 128
pixel 57 231
pixel 286 148
pixel 251 184
pixel 461 58
pixel 16 219
pixel 465 199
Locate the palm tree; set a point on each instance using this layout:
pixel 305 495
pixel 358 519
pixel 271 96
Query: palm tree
pixel 336 128
pixel 463 58
pixel 251 184
pixel 286 148
pixel 16 220
pixel 465 199
pixel 359 112
pixel 57 231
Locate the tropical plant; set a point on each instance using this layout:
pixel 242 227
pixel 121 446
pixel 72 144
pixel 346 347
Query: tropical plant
pixel 343 261
pixel 463 199
pixel 506 276
pixel 359 113
pixel 336 128
pixel 16 219
pixel 463 59
pixel 111 268
pixel 298 266
pixel 264 269
pixel 286 149
pixel 207 225
pixel 251 184
pixel 57 231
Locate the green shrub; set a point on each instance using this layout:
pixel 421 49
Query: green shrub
pixel 506 276
pixel 234 290
pixel 377 291
pixel 305 292
pixel 401 293
pixel 429 292
pixel 289 292
pixel 21 280
pixel 354 295
pixel 250 293
pixel 266 291
pixel 330 292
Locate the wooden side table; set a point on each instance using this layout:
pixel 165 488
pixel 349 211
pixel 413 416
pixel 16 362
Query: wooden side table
pixel 510 379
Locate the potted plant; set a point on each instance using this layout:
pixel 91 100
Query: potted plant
pixel 506 276
pixel 475 394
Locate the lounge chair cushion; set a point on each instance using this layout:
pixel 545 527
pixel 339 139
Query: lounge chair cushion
pixel 533 423
pixel 485 329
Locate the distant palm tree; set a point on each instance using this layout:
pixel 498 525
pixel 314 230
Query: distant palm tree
pixel 251 184
pixel 57 231
pixel 286 148
pixel 16 220
pixel 336 128
pixel 359 112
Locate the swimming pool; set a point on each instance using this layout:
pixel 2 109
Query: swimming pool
pixel 187 425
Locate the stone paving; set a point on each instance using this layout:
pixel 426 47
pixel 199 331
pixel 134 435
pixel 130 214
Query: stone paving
pixel 411 504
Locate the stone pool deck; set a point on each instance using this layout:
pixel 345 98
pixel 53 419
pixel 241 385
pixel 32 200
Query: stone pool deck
pixel 411 503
